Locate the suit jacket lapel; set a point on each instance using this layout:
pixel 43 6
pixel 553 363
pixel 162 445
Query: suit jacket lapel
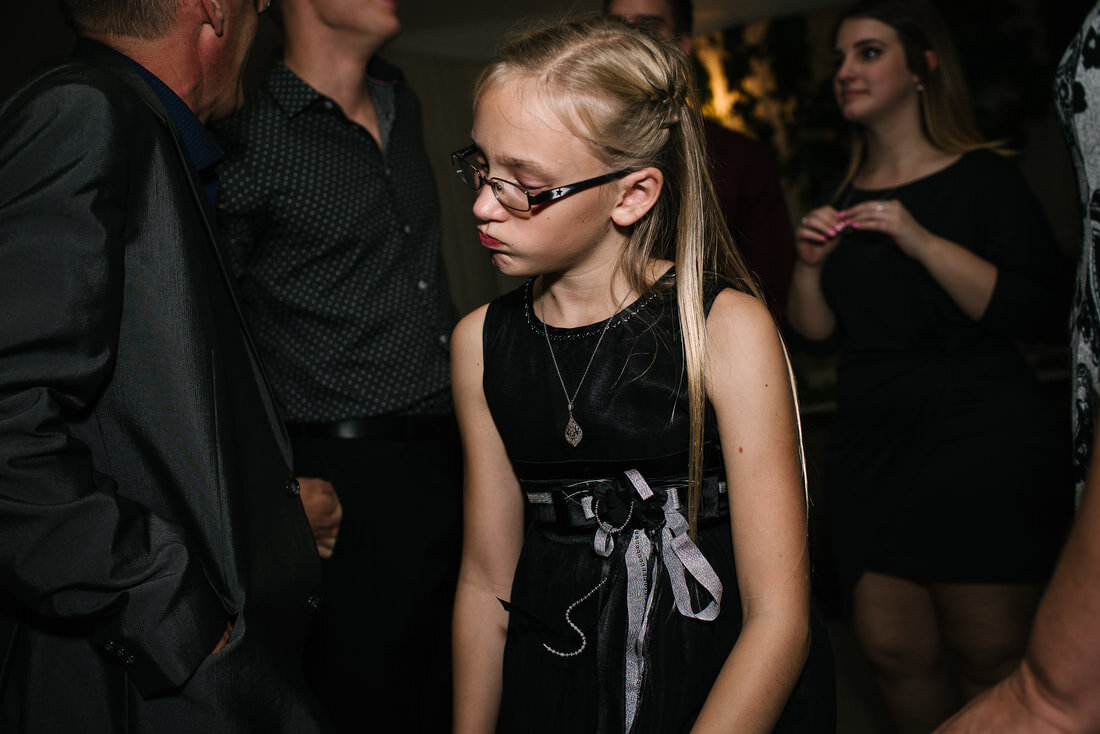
pixel 108 58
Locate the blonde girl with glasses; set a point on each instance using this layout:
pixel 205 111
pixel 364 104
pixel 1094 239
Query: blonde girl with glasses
pixel 628 421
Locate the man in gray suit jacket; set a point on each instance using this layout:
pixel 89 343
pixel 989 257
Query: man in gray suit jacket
pixel 157 571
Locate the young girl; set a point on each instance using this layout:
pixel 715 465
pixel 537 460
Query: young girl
pixel 632 400
pixel 947 480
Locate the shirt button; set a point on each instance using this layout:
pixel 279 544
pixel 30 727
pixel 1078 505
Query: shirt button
pixel 293 487
pixel 443 339
pixel 422 285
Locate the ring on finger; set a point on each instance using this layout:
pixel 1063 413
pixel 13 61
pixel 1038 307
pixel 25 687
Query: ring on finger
pixel 880 206
pixel 803 220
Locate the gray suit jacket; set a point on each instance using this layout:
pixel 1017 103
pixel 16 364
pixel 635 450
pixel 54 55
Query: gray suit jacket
pixel 145 490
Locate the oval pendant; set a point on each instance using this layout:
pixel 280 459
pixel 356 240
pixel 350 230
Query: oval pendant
pixel 573 432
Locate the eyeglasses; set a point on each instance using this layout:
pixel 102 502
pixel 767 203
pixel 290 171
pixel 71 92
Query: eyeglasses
pixel 510 193
pixel 262 6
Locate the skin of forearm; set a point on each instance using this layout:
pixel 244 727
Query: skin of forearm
pixel 967 278
pixel 757 678
pixel 480 628
pixel 807 309
pixel 1064 654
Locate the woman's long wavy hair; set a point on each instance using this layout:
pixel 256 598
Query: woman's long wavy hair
pixel 627 95
pixel 947 116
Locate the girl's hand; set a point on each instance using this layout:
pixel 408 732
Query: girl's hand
pixel 892 219
pixel 818 235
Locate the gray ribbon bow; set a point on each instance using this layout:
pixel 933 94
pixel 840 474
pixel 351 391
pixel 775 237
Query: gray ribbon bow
pixel 680 557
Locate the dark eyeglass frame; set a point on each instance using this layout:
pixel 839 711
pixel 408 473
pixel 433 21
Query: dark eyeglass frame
pixel 458 160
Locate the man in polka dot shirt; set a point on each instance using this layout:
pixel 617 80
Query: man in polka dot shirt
pixel 332 221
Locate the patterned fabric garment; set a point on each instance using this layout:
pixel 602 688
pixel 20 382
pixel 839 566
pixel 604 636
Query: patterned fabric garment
pixel 1077 99
pixel 335 242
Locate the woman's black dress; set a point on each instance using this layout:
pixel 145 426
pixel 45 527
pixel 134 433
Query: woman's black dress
pixel 568 672
pixel 947 461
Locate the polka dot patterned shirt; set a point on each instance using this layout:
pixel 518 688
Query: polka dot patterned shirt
pixel 335 243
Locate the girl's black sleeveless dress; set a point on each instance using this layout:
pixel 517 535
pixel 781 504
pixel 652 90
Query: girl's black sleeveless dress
pixel 614 622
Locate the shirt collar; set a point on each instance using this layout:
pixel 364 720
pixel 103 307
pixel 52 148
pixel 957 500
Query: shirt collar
pixel 201 147
pixel 294 95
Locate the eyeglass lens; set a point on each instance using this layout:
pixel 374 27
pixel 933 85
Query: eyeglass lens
pixel 506 192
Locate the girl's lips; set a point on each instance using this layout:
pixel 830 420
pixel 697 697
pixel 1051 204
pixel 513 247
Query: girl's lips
pixel 489 241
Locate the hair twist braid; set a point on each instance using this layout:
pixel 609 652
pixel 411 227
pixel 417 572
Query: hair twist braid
pixel 668 103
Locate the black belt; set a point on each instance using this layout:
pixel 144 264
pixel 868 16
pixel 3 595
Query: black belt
pixel 384 428
pixel 570 507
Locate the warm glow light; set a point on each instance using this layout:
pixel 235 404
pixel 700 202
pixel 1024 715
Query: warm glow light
pixel 710 52
pixel 758 87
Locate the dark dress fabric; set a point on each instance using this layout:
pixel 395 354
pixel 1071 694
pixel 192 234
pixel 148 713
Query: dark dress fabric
pixel 947 461
pixel 632 409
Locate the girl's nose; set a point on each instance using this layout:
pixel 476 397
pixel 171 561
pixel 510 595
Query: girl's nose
pixel 486 206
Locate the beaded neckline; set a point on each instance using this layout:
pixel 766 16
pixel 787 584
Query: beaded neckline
pixel 557 333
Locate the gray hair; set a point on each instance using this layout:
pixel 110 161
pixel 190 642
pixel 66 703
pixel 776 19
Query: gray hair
pixel 145 19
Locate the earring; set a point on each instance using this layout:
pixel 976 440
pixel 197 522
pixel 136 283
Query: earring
pixel 920 87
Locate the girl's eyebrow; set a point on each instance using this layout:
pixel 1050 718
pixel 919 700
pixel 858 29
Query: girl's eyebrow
pixel 521 164
pixel 516 164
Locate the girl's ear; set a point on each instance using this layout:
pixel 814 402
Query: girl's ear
pixel 640 191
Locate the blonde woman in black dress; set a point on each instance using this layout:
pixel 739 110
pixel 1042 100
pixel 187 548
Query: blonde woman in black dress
pixel 947 481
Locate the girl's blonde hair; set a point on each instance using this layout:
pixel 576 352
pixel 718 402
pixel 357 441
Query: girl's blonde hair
pixel 627 94
pixel 947 116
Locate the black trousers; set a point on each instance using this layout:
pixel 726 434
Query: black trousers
pixel 380 655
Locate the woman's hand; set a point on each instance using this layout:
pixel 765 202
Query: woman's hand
pixel 815 239
pixel 890 217
pixel 818 235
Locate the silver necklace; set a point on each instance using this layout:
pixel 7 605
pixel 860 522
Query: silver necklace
pixel 573 432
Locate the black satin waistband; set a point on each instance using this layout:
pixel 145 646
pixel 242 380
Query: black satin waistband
pixel 384 428
pixel 669 465
pixel 570 507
